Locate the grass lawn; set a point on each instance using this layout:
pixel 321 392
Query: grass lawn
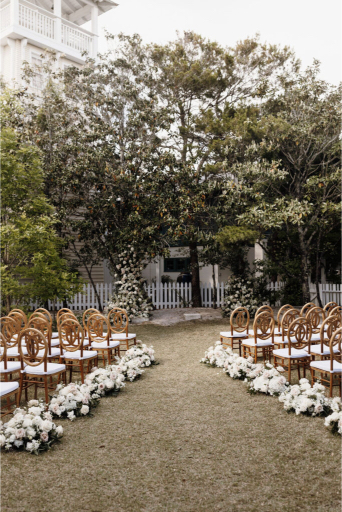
pixel 184 437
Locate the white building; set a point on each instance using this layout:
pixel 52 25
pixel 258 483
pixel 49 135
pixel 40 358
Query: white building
pixel 28 28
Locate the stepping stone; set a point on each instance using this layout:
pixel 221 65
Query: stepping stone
pixel 192 316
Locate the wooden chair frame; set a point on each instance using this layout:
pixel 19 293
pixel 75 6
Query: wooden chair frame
pixel 98 335
pixel 20 313
pixel 281 313
pixel 119 318
pixel 71 335
pixel 7 396
pixel 288 317
pixel 316 317
pixel 263 329
pixel 306 308
pixel 239 322
pixel 35 342
pixel 334 379
pixel 10 329
pixel 329 306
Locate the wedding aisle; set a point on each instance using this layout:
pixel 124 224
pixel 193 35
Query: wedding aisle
pixel 184 438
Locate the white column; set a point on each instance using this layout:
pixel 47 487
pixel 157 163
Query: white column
pixel 57 10
pixel 23 44
pixel 95 28
pixel 158 270
pixel 11 44
pixel 14 7
pixel 216 270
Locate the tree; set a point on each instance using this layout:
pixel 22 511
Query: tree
pixel 31 266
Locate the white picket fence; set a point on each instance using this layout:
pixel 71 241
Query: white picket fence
pixel 179 295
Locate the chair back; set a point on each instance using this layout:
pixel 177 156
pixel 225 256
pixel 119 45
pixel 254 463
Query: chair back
pixel 328 327
pixel 306 308
pixel 263 326
pixel 315 316
pixel 10 329
pixel 19 318
pixel 98 328
pixel 36 346
pixel 86 315
pixel 71 335
pixel 118 321
pixel 61 311
pixel 282 312
pixel 335 311
pixel 20 313
pixel 3 351
pixel 299 333
pixel 328 307
pixel 289 316
pixel 45 312
pixel 263 308
pixel 64 316
pixel 41 323
pixel 336 342
pixel 239 320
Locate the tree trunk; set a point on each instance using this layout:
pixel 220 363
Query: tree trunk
pixel 214 288
pixel 305 266
pixel 195 280
pixel 318 271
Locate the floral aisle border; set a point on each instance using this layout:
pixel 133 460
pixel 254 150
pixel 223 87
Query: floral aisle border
pixel 300 398
pixel 32 428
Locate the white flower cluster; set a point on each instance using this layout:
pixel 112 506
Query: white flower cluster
pixel 239 292
pixel 215 356
pixel 105 381
pixel 269 380
pixel 304 399
pixel 238 367
pixel 334 420
pixel 73 400
pixel 137 357
pixel 129 293
pixel 30 428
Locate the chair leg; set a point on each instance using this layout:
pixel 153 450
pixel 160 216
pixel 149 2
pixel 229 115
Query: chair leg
pixel 289 371
pixel 312 376
pixel 46 389
pixel 331 385
pixel 82 372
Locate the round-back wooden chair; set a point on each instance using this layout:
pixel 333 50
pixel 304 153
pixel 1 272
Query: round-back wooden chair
pixel 19 318
pixel 239 325
pixel 7 388
pixel 329 372
pixel 40 322
pixel 288 317
pixel 119 321
pixel 20 313
pixel 328 307
pixel 45 312
pixel 335 311
pixel 10 329
pixel 62 311
pixel 71 335
pixel 306 308
pixel 262 309
pixel 281 313
pixel 316 317
pixel 328 327
pixel 35 366
pixel 294 354
pixel 87 314
pixel 262 339
pixel 99 333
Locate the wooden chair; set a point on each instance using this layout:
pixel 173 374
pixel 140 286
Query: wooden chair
pixel 118 321
pixel 41 323
pixel 263 337
pixel 328 327
pixel 306 308
pixel 62 311
pixel 71 336
pixel 280 341
pixel 35 367
pixel 53 337
pixel 298 337
pixel 45 312
pixel 316 317
pixel 20 312
pixel 281 313
pixel 87 314
pixel 10 329
pixel 8 388
pixel 335 311
pixel 99 332
pixel 262 309
pixel 330 371
pixel 328 307
pixel 239 324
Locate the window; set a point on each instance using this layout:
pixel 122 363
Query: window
pixel 177 265
pixel 38 77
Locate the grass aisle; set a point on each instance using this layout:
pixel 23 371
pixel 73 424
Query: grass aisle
pixel 183 438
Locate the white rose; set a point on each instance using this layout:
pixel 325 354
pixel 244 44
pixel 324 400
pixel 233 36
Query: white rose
pixel 84 409
pixel 59 431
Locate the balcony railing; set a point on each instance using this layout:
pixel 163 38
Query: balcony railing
pixel 44 23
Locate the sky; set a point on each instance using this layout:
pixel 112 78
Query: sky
pixel 312 28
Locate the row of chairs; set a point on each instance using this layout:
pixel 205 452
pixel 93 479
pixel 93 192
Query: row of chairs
pixel 29 346
pixel 298 339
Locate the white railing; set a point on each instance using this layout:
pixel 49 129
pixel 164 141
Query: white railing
pixel 179 295
pixel 76 39
pixel 5 16
pixel 35 20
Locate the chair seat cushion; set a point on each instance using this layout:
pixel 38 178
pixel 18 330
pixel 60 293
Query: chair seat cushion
pixel 259 343
pixel 315 337
pixel 317 350
pixel 87 354
pixel 54 342
pixel 14 352
pixel 122 336
pixel 234 335
pixel 12 366
pixel 55 335
pixel 103 345
pixel 39 370
pixel 295 353
pixel 55 352
pixel 325 365
pixel 8 387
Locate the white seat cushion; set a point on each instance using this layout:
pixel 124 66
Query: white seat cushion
pixel 12 366
pixel 104 344
pixel 14 352
pixel 315 337
pixel 122 336
pixel 87 354
pixel 295 353
pixel 279 339
pixel 39 370
pixel 325 365
pixel 317 350
pixel 8 387
pixel 260 343
pixel 55 352
pixel 235 335
pixel 54 342
pixel 55 335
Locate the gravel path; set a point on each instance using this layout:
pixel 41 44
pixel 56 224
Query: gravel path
pixel 183 438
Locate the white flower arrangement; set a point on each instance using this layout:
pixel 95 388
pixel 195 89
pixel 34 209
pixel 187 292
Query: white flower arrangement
pixel 239 292
pixel 73 400
pixel 304 399
pixel 215 356
pixel 31 428
pixel 105 381
pixel 130 368
pixel 129 293
pixel 268 381
pixel 238 367
pixel 334 420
